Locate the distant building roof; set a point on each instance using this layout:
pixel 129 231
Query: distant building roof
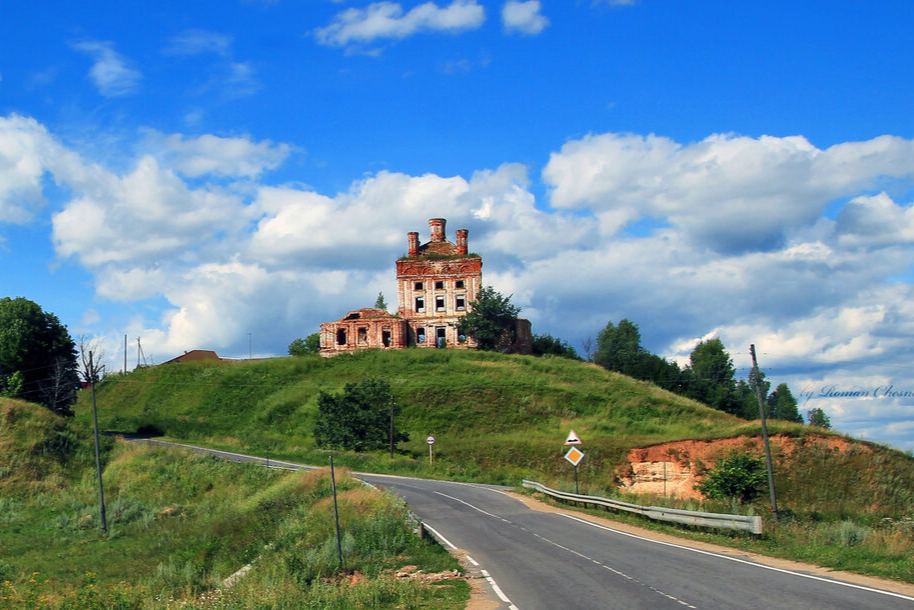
pixel 195 355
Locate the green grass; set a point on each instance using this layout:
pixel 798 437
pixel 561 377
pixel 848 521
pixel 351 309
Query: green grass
pixel 500 418
pixel 180 523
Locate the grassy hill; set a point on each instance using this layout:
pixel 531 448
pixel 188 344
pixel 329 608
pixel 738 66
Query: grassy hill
pixel 506 416
pixel 496 418
pixel 181 523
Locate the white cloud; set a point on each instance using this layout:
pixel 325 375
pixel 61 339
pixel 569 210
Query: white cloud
pixel 386 20
pixel 197 42
pixel 825 301
pixel 523 17
pixel 728 192
pixel 110 72
pixel 220 156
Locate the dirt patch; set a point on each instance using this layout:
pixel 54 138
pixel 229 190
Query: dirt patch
pixel 784 564
pixel 673 469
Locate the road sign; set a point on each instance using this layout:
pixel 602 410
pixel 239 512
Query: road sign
pixel 430 440
pixel 573 438
pixel 574 456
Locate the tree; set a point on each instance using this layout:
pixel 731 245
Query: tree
pixel 33 343
pixel 309 345
pixel 356 419
pixel 547 344
pixel 380 303
pixel 740 476
pixel 710 377
pixel 782 405
pixel 817 417
pixel 587 344
pixel 619 348
pixel 489 320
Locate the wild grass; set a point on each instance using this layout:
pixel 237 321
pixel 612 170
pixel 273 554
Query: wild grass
pixel 500 418
pixel 180 523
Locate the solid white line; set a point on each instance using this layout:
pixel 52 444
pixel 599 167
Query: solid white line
pixel 501 595
pixel 438 534
pixel 471 560
pixel 737 560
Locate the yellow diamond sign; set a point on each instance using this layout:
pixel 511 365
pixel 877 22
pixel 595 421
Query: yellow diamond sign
pixel 574 456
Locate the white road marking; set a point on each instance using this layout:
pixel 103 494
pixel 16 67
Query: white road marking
pixel 438 534
pixel 498 590
pixel 738 560
pixel 572 551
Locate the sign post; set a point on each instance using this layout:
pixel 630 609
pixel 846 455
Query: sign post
pixel 431 443
pixel 575 456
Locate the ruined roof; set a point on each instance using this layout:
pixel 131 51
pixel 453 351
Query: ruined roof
pixel 439 248
pixel 367 313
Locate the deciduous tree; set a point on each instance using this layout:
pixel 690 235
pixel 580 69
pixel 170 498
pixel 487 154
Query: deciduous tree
pixel 547 344
pixel 34 348
pixel 358 418
pixel 489 320
pixel 309 345
pixel 817 417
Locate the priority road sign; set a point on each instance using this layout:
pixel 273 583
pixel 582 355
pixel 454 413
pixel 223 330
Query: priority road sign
pixel 573 438
pixel 574 456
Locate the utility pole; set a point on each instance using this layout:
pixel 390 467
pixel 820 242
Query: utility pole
pixel 125 354
pixel 391 427
pixel 761 409
pixel 92 378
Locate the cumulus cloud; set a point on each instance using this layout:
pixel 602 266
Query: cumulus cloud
pixel 825 300
pixel 523 17
pixel 728 192
pixel 219 156
pixel 110 71
pixel 382 20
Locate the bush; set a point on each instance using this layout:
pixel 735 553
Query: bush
pixel 740 476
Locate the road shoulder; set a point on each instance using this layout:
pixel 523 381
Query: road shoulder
pixel 783 564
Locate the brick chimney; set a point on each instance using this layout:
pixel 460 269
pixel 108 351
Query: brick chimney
pixel 436 226
pixel 413 237
pixel 462 242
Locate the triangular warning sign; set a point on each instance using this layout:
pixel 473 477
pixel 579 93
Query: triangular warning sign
pixel 572 439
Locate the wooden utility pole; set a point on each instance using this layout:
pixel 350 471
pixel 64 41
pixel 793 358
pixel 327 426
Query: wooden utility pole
pixel 92 378
pixel 761 409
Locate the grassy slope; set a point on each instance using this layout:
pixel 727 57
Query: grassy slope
pixel 180 523
pixel 495 417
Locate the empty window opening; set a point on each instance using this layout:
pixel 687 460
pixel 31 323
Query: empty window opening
pixel 458 284
pixel 439 285
pixel 440 340
pixel 353 316
pixel 420 335
pixel 341 336
pixel 461 302
pixel 420 304
pixel 363 336
pixel 439 303
pixel 385 338
pixel 418 285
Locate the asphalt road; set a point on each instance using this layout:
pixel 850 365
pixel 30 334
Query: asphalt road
pixel 539 560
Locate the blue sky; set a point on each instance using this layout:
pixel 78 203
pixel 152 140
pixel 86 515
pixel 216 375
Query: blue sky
pixel 191 174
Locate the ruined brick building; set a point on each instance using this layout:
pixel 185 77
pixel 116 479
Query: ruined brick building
pixel 437 283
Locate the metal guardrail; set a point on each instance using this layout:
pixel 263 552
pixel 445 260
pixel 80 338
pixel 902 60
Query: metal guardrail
pixel 674 515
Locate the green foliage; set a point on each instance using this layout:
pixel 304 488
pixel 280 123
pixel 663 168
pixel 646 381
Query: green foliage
pixel 309 345
pixel 817 417
pixel 782 405
pixel 380 303
pixel 491 316
pixel 37 356
pixel 740 476
pixel 357 419
pixel 709 377
pixel 619 349
pixel 546 344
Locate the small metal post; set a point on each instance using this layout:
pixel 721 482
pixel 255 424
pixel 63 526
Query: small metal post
pixel 576 489
pixel 430 454
pixel 336 515
pixel 664 476
pixel 391 427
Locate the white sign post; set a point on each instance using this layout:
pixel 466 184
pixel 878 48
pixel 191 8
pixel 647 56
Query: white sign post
pixel 431 443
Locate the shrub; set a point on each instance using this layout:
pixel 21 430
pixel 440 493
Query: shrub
pixel 740 476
